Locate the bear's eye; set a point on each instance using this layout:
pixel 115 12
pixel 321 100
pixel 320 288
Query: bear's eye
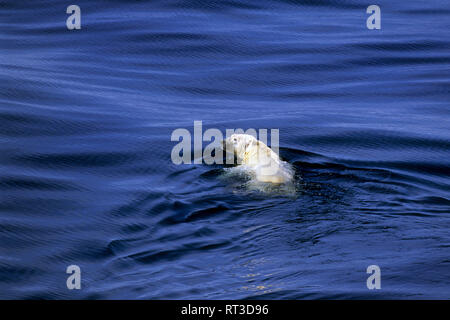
pixel 234 140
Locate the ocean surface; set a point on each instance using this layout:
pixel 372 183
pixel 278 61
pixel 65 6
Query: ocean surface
pixel 86 176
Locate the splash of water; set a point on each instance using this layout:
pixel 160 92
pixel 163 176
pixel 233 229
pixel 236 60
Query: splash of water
pixel 242 180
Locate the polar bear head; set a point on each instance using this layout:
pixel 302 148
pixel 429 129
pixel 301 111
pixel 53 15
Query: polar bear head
pixel 238 144
pixel 258 157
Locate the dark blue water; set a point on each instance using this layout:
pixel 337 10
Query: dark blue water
pixel 87 179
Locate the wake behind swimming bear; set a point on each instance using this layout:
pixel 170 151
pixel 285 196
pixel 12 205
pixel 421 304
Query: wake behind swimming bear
pixel 258 158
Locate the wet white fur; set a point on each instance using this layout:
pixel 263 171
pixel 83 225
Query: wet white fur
pixel 257 157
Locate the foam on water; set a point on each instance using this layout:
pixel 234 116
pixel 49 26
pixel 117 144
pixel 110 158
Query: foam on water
pixel 242 179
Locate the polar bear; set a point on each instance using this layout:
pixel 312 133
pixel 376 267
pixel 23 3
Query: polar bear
pixel 259 158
